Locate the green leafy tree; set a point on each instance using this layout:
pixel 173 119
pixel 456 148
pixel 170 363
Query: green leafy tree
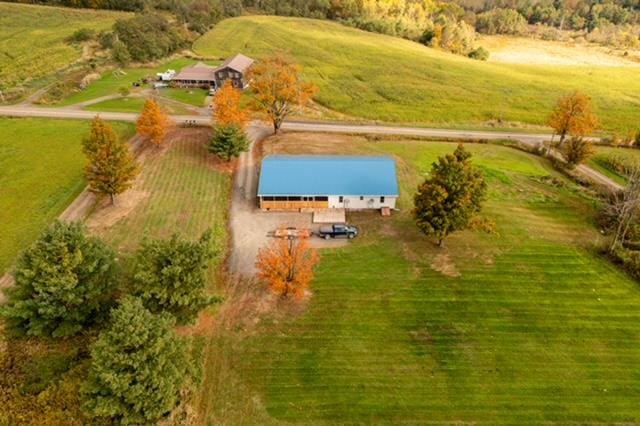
pixel 228 141
pixel 111 168
pixel 138 366
pixel 120 53
pixel 170 275
pixel 64 282
pixel 450 196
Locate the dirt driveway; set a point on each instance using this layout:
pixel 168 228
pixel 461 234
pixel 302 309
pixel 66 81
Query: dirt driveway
pixel 250 227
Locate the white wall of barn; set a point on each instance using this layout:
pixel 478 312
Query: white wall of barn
pixel 361 202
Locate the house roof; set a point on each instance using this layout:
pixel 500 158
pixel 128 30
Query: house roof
pixel 299 175
pixel 199 71
pixel 238 63
pixel 204 72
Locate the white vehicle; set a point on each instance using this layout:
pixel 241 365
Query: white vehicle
pixel 166 76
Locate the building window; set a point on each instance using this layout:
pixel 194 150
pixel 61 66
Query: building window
pixel 280 198
pixel 267 198
pixel 294 198
pixel 361 198
pixel 382 199
pixel 341 199
pixel 322 198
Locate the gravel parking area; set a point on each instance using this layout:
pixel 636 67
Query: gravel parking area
pixel 250 227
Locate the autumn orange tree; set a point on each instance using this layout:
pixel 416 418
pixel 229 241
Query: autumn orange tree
pixel 153 122
pixel 278 89
pixel 226 107
pixel 111 167
pixel 573 116
pixel 287 266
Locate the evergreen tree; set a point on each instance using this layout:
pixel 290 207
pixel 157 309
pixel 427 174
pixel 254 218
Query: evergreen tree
pixel 138 366
pixel 170 275
pixel 111 168
pixel 228 142
pixel 65 281
pixel 450 196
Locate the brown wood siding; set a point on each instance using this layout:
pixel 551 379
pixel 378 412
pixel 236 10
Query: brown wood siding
pixel 293 205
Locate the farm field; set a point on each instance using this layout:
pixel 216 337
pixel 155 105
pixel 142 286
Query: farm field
pixel 384 78
pixel 527 50
pixel 41 165
pixel 32 39
pixel 527 325
pixel 113 80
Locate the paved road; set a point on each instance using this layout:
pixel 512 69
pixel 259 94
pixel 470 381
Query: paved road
pixel 531 139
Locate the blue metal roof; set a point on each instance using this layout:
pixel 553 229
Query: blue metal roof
pixel 310 175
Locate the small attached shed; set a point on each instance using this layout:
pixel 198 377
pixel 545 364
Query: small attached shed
pixel 294 182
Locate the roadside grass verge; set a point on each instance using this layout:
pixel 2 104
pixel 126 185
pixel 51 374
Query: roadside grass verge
pixel 41 165
pixel 389 79
pixel 32 39
pixel 607 157
pixel 135 104
pixel 525 325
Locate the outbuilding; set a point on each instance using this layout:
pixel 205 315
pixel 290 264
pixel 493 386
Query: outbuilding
pixel 295 182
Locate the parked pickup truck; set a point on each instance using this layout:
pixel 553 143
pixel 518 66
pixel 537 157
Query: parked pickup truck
pixel 338 230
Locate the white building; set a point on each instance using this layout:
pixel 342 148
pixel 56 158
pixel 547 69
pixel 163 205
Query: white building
pixel 294 182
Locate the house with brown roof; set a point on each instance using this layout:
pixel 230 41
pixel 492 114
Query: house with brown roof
pixel 206 76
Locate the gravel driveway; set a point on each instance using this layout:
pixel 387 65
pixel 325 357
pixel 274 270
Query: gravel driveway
pixel 250 227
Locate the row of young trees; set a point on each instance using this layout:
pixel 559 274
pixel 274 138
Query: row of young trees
pixel 111 167
pixel 69 283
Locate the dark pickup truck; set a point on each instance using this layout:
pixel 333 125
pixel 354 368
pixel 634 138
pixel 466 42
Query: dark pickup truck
pixel 338 230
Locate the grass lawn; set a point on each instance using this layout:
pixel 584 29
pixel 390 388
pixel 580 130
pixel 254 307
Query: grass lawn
pixel 135 104
pixel 390 79
pixel 193 97
pixel 40 174
pixel 527 325
pixel 112 80
pixel 32 39
pixel 599 160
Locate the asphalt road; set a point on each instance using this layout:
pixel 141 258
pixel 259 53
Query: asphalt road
pixel 532 139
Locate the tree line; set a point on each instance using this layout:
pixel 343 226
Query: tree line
pixel 447 25
pixel 68 283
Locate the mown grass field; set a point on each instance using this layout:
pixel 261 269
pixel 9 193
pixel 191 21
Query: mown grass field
pixel 182 189
pixel 527 325
pixel 41 165
pixel 384 78
pixel 32 39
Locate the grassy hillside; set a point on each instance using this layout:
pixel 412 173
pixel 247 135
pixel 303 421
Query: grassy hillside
pixel 32 39
pixel 40 174
pixel 527 325
pixel 384 78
